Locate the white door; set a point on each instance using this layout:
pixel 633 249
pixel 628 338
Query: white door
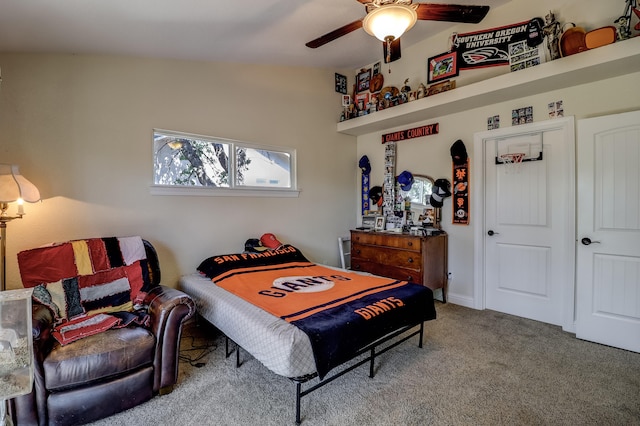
pixel 529 221
pixel 608 247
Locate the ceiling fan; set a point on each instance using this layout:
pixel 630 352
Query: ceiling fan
pixel 387 20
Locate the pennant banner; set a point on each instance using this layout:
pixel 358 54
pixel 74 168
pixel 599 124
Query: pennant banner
pixel 461 193
pixel 488 48
pixel 365 193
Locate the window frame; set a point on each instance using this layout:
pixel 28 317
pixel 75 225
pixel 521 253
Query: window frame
pixel 233 189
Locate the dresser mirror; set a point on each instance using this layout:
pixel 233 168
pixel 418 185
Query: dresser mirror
pixel 419 195
pixel 420 191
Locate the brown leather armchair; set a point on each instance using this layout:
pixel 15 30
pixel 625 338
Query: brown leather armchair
pixel 109 372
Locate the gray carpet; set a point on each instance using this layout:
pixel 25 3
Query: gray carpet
pixel 476 368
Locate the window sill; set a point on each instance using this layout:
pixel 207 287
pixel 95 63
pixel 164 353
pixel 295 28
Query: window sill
pixel 224 192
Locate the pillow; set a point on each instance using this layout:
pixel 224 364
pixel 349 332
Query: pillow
pixel 217 265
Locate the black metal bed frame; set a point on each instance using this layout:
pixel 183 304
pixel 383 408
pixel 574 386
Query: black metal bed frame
pixel 370 358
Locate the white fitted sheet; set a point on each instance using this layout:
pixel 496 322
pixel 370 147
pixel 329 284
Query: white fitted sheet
pixel 281 347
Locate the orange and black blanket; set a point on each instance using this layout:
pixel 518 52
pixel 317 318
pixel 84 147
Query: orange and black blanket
pixel 340 311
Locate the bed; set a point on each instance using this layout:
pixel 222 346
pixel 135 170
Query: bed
pixel 303 320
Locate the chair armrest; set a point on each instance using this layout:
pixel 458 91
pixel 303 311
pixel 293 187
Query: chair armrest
pixel 162 301
pixel 42 322
pixel 169 309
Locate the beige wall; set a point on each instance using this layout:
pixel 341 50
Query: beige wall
pixel 430 155
pixel 80 127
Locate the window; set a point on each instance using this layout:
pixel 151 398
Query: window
pixel 263 168
pixel 202 165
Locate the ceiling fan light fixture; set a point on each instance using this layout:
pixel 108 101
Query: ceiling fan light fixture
pixel 389 21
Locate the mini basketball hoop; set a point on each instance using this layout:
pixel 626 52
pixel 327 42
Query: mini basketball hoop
pixel 513 161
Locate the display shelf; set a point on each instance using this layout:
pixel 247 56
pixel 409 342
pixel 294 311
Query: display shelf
pixel 593 65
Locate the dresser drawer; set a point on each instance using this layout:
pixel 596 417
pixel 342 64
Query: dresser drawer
pixel 419 259
pixel 395 272
pixel 387 240
pixel 387 256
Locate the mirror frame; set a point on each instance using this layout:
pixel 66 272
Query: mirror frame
pixel 420 208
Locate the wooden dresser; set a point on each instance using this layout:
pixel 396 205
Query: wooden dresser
pixel 422 260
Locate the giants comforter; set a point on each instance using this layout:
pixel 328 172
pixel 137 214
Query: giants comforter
pixel 340 311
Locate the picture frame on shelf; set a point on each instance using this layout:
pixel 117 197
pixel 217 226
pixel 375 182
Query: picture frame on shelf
pixel 442 67
pixel 346 100
pixel 363 79
pixel 441 87
pixel 361 100
pixel 380 222
pixel 341 83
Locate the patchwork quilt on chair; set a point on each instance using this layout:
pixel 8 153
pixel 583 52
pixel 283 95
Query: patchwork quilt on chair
pixel 90 285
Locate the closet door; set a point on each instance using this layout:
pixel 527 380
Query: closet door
pixel 608 246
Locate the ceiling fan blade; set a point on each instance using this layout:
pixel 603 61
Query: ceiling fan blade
pixel 451 12
pixel 344 30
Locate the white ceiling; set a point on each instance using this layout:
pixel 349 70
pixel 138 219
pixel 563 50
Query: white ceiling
pixel 249 31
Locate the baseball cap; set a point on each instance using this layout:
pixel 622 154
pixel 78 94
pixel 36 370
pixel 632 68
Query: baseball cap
pixel 405 180
pixel 375 194
pixel 253 245
pixel 270 241
pixel 458 152
pixel 364 164
pixel 441 190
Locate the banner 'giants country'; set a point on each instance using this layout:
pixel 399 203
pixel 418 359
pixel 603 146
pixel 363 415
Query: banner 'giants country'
pixel 488 48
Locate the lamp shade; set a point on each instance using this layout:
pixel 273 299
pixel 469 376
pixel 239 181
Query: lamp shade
pixel 389 21
pixel 14 186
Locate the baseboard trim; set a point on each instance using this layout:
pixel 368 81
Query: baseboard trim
pixel 457 299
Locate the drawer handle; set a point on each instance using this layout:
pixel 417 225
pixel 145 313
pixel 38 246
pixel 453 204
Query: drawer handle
pixel 358 251
pixel 410 260
pixel 410 243
pixel 409 278
pixel 356 267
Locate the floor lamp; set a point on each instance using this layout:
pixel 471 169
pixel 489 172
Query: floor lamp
pixel 13 187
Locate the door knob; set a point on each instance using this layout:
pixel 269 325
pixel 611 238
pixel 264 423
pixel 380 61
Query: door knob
pixel 491 233
pixel 586 241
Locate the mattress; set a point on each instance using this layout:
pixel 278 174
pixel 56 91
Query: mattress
pixel 280 346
